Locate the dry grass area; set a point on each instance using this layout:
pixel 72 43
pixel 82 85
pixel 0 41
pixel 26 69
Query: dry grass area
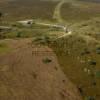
pixel 24 9
pixel 25 74
pixel 29 71
pixel 80 11
pixel 75 55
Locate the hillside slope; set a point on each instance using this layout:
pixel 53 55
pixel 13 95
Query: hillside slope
pixel 25 74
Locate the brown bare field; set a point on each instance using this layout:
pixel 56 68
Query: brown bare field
pixel 24 75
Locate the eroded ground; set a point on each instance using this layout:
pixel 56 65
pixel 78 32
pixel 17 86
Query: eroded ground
pixel 30 71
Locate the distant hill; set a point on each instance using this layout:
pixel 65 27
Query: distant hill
pixel 98 1
pixel 24 9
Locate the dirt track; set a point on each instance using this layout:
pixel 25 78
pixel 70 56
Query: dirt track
pixel 24 75
pixel 57 13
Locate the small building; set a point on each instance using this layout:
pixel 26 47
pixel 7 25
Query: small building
pixel 26 22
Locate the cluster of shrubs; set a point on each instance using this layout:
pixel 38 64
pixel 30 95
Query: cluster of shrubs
pixel 42 40
pixel 47 60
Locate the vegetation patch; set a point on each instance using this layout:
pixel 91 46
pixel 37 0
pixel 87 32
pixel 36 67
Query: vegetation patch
pixel 78 12
pixel 4 48
pixel 19 10
pixel 80 68
pixel 47 60
pixel 97 74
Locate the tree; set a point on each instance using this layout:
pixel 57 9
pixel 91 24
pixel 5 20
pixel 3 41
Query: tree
pixel 18 34
pixel 0 15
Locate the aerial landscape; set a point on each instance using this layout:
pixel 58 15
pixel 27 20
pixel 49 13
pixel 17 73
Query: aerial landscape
pixel 49 49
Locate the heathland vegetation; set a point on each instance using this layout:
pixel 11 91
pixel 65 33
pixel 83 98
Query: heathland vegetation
pixel 29 29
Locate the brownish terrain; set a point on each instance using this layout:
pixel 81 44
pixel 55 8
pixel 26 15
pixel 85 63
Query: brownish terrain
pixel 69 32
pixel 25 75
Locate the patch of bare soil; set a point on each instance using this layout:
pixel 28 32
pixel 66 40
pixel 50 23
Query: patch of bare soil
pixel 32 72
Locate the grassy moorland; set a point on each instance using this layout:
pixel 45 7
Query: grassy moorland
pixel 75 56
pixel 27 9
pixel 78 53
pixel 80 11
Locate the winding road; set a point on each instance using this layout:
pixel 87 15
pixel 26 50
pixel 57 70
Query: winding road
pixel 57 12
pixel 60 20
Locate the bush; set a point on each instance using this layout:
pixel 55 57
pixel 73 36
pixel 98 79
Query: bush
pixel 18 34
pixel 42 40
pixel 98 50
pixel 47 60
pixel 97 74
pixel 89 98
pixel 92 62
